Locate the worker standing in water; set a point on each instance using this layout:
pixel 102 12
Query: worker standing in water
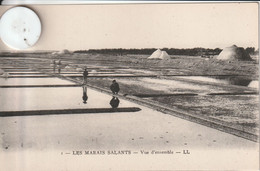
pixel 54 66
pixel 114 87
pixel 85 75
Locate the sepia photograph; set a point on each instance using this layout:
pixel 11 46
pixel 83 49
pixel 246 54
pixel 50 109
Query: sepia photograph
pixel 129 86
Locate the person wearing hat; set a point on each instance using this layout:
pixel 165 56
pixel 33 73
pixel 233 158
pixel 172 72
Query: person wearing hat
pixel 114 87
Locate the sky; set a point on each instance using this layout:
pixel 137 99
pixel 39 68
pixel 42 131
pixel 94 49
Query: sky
pixel 207 25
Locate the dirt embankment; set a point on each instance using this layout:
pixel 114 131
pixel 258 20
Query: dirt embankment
pixel 181 65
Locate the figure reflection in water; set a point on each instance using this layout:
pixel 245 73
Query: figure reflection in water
pixel 84 97
pixel 114 102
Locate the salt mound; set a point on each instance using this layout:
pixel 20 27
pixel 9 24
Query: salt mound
pixel 158 54
pixel 234 53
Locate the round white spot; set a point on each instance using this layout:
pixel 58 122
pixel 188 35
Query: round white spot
pixel 20 28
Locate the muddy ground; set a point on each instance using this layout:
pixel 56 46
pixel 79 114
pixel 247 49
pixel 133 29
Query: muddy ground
pixel 182 65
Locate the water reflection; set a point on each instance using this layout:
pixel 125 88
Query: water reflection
pixel 114 102
pixel 85 96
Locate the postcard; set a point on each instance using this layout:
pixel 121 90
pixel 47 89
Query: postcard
pixel 129 86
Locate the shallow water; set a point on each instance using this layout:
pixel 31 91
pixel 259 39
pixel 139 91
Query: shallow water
pixel 136 71
pixel 98 74
pixel 171 86
pixel 14 99
pixel 33 81
pixel 28 75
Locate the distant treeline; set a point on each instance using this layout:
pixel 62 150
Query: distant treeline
pixel 149 51
pixel 252 51
pixel 170 51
